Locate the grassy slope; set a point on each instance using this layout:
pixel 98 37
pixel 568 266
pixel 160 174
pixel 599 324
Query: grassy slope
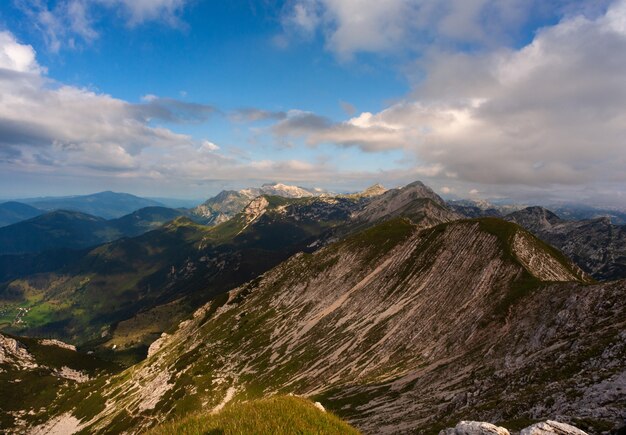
pixel 275 415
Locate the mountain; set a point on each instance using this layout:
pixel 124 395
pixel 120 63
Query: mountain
pixel 373 190
pixel 228 203
pixel 596 245
pixel 284 190
pixel 144 220
pixel 127 292
pixel 416 201
pixel 107 205
pixel 12 212
pixel 398 328
pixel 64 229
pixel 222 207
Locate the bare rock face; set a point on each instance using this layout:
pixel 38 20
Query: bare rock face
pixel 14 353
pixel 255 209
pixel 552 428
pixel 57 343
pixel 475 428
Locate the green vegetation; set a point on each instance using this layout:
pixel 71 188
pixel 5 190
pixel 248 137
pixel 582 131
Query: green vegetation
pixel 275 415
pixel 380 239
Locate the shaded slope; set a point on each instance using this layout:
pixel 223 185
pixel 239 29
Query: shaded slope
pixel 368 325
pixel 64 229
pixel 12 212
pixel 55 230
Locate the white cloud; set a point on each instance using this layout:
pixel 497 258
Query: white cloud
pixel 352 26
pixel 551 113
pixel 208 146
pixel 49 124
pixel 140 11
pixel 17 57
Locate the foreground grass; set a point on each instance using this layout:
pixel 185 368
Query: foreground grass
pixel 276 415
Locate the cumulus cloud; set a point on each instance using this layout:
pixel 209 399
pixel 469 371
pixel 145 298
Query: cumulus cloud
pixel 552 112
pixel 46 123
pixel 208 146
pixel 17 57
pixel 67 23
pixel 351 26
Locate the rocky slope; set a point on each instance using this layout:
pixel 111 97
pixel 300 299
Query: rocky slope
pixel 33 372
pixel 596 245
pixel 397 329
pixel 415 201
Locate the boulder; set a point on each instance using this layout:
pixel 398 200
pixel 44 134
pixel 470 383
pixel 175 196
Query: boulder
pixel 552 428
pixel 475 428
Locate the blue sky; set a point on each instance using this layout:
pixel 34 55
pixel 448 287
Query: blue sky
pixel 186 97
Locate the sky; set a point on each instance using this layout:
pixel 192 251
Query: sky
pixel 499 99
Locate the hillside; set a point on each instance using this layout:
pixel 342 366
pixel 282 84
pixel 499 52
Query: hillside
pixel 12 212
pixel 397 328
pixel 596 245
pixel 126 293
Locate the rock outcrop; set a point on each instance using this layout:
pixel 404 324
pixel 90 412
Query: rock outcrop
pixel 13 353
pixel 595 245
pixel 549 427
pixel 475 428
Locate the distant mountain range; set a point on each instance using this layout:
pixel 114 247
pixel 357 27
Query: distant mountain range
pixel 107 205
